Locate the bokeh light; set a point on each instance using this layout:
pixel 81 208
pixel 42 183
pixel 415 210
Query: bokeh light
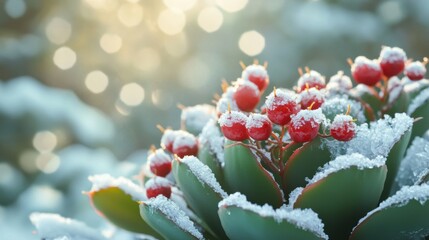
pixel 110 43
pixel 132 94
pixel 96 81
pixel 210 19
pixel 130 14
pixel 182 5
pixel 171 22
pixel 58 30
pixel 64 58
pixel 45 141
pixel 232 5
pixel 251 43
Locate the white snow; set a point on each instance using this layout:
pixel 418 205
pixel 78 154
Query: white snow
pixel 184 139
pixel 419 193
pixel 168 137
pixel 390 54
pixel 174 213
pixel 340 119
pixel 413 86
pixel 415 162
pixel 293 196
pixel 339 82
pixel 203 173
pixel 229 118
pixel 312 94
pixel 222 105
pixel 254 70
pixel 302 116
pixel 418 101
pixel 415 68
pixel 394 87
pixel 212 137
pixel 197 116
pixel 240 83
pixel 156 182
pixel 158 157
pixel 312 77
pixel 53 226
pixel 104 181
pixel 282 96
pixel 256 120
pixel 362 61
pixel 339 104
pixel 304 219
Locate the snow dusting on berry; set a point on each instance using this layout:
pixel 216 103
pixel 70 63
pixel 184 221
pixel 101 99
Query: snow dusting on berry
pixel 340 119
pixel 256 120
pixel 315 116
pixel 305 219
pixel 184 139
pixel 280 97
pixel 159 157
pixel 311 79
pixel 224 104
pixel 233 117
pixel 415 70
pixel 254 70
pixel 362 61
pixel 391 55
pixel 158 182
pixel 167 139
pixel 339 83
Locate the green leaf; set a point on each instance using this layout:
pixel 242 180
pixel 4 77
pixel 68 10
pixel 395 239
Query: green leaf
pixel 372 101
pixel 202 197
pixel 244 173
pixel 342 197
pixel 406 219
pixel 393 162
pixel 421 126
pixel 400 105
pixel 303 163
pixel 209 159
pixel 168 219
pixel 120 209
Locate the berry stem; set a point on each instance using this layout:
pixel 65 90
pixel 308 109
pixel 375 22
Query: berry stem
pixel 259 152
pixel 243 66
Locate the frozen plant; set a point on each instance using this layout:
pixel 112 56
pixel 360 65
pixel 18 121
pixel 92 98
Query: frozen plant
pixel 316 162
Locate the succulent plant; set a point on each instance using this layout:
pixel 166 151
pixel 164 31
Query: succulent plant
pixel 322 161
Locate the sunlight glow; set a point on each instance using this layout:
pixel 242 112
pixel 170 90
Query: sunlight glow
pixel 171 22
pixel 251 43
pixel 64 58
pixel 96 81
pixel 210 19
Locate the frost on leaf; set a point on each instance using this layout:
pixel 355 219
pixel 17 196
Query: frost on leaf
pixel 212 137
pixel 304 219
pixel 197 116
pixel 415 162
pixel 174 213
pixel 339 104
pixel 418 101
pixel 103 181
pixel 53 226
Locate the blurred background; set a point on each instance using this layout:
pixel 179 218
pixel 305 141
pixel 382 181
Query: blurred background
pixel 84 82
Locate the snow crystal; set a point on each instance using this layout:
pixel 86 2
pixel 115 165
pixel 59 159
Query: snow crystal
pixel 293 196
pixel 223 103
pixel 362 61
pixel 197 116
pixel 184 139
pixel 256 120
pixel 415 162
pixel 392 54
pixel 158 182
pixel 159 157
pixel 229 93
pixel 241 82
pixel 340 119
pixel 312 77
pixel 345 162
pixel 103 181
pixel 419 193
pixel 415 68
pixel 339 82
pixel 418 101
pixel 339 104
pixel 203 173
pixel 282 96
pixel 228 119
pixel 302 116
pixel 53 226
pixel 212 137
pixel 254 70
pixel 174 213
pixel 313 93
pixel 304 219
pixel 168 137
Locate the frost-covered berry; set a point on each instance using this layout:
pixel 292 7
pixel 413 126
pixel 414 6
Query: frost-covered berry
pixel 392 61
pixel 281 104
pixel 305 125
pixel 233 125
pixel 339 83
pixel 158 186
pixel 259 127
pixel 159 163
pixel 246 95
pixel 343 128
pixel 224 104
pixel 311 97
pixel 415 71
pixel 311 79
pixel 167 139
pixel 257 74
pixel 366 71
pixel 185 144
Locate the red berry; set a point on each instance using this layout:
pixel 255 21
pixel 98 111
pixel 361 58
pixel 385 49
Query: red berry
pixel 392 61
pixel 159 163
pixel 257 74
pixel 311 97
pixel 281 104
pixel 366 71
pixel 305 125
pixel 156 186
pixel 339 82
pixel 343 128
pixel 246 96
pixel 233 125
pixel 185 144
pixel 311 79
pixel 415 71
pixel 167 139
pixel 259 127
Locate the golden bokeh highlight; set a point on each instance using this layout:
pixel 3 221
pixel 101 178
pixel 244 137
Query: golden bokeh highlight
pixel 252 43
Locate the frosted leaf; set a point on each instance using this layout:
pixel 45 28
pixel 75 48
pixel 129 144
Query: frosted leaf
pixel 374 140
pixel 338 104
pixel 414 86
pixel 304 219
pixel 212 137
pixel 339 83
pixel 254 70
pixel 184 139
pixel 203 173
pixel 402 197
pixel 104 181
pixel 293 196
pixel 232 117
pixel 346 162
pixel 415 162
pixel 418 101
pixel 391 55
pixel 197 116
pixel 394 87
pixel 53 226
pixel 174 213
pixel 315 116
pixel 282 97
